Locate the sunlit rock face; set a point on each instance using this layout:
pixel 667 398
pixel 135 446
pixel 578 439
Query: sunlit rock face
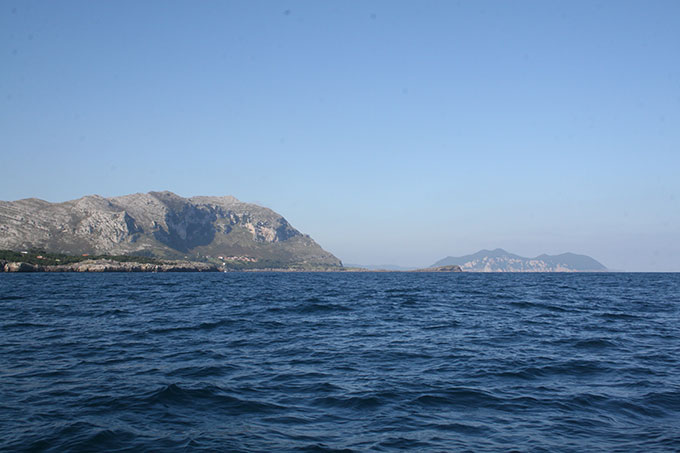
pixel 160 224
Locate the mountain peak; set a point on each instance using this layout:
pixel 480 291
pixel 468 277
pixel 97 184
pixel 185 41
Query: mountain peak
pixel 160 224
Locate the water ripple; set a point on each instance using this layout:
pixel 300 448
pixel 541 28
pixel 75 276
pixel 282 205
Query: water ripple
pixel 340 362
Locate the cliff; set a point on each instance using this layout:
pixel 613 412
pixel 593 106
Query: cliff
pixel 222 230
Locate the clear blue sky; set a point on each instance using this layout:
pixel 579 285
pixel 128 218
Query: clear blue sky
pixel 391 132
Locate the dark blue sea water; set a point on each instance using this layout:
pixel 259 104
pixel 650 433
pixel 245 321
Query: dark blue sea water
pixel 340 362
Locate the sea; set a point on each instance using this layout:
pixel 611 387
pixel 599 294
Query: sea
pixel 340 362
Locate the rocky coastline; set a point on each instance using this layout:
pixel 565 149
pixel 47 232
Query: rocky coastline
pixel 106 265
pixel 103 265
pixel 162 226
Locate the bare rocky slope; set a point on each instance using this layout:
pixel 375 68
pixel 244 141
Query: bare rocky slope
pixel 162 225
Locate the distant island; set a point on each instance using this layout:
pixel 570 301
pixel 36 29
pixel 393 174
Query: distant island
pixel 499 260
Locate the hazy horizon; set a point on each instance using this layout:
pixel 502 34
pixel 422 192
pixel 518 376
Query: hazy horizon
pixel 391 132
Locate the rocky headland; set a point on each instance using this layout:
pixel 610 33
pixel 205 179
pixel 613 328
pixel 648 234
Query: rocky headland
pixel 221 231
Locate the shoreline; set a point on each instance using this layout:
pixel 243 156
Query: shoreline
pixel 106 265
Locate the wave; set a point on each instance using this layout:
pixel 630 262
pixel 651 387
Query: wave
pixel 460 396
pixel 205 396
pixel 339 362
pixel 349 402
pixel 202 326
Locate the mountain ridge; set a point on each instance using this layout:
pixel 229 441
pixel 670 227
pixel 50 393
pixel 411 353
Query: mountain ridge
pixel 499 260
pixel 162 225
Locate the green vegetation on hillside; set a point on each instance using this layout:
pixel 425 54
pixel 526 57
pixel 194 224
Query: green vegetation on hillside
pixel 162 226
pixel 41 257
pixel 50 259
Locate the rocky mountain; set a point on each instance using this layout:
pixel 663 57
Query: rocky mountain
pixel 163 225
pixel 499 260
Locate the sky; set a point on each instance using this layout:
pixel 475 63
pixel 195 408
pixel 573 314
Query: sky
pixel 392 132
